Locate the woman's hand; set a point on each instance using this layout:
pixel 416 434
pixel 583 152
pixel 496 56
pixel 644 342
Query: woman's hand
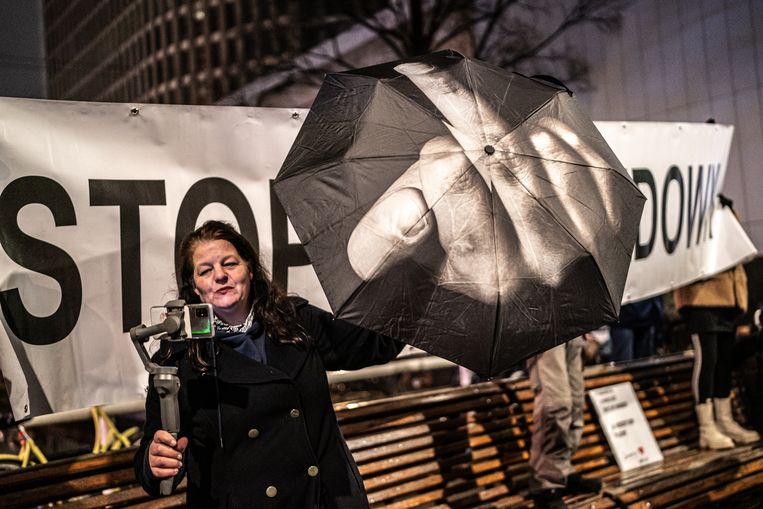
pixel 165 454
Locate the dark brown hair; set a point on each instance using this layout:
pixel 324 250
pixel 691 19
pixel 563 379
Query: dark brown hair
pixel 271 306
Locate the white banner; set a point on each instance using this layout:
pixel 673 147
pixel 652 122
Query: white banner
pixel 92 194
pixel 685 235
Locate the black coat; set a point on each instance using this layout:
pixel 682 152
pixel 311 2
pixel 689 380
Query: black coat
pixel 281 442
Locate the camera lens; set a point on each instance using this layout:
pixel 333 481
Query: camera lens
pixel 201 312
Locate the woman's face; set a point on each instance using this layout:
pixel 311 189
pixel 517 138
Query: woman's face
pixel 222 278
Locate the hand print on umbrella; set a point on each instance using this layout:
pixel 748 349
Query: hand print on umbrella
pixel 483 217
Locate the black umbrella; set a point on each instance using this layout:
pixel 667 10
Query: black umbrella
pixel 471 212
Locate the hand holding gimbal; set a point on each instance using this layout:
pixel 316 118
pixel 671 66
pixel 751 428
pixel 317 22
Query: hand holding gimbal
pixel 166 381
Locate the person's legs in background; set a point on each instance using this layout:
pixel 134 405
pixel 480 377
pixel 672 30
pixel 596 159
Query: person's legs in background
pixel 748 362
pixel 722 390
pixel 622 343
pixel 703 382
pixel 574 360
pixel 644 341
pixel 552 416
pixel 574 365
pixel 556 380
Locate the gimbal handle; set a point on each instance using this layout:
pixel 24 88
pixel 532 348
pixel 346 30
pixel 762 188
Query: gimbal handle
pixel 166 381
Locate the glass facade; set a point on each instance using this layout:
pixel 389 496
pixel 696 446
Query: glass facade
pixel 175 51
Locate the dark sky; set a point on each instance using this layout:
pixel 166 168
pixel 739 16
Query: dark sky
pixel 21 49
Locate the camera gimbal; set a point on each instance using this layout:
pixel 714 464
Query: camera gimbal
pixel 166 379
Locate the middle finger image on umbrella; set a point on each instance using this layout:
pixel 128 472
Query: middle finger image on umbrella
pixel 469 211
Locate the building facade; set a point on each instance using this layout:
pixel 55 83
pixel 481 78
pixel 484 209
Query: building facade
pixel 689 61
pixel 175 51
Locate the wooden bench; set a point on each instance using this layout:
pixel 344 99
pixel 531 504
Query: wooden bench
pixel 92 480
pixel 466 448
pixel 688 476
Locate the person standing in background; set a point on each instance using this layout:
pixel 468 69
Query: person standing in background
pixel 710 309
pixel 635 334
pixel 556 378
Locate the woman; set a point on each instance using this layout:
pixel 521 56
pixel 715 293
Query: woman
pixel 257 423
pixel 710 308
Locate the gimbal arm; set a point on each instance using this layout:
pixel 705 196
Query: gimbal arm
pixel 166 381
pixel 140 334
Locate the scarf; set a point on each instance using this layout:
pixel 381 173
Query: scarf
pixel 247 338
pixel 226 328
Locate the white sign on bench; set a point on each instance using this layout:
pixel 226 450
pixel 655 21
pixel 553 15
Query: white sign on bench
pixel 625 426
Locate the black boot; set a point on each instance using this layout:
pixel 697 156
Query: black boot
pixel 548 499
pixel 579 484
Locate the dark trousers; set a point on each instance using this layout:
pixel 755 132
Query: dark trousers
pixel 711 376
pixel 712 335
pixel 632 342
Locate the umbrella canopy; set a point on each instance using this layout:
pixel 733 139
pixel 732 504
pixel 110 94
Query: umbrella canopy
pixel 471 212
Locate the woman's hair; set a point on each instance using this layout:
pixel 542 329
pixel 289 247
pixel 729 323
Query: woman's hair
pixel 271 306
